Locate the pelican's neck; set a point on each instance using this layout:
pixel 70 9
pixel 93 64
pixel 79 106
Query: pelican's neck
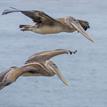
pixel 51 70
pixel 18 72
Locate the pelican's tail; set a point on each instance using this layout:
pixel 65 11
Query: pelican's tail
pixel 25 27
pixel 10 11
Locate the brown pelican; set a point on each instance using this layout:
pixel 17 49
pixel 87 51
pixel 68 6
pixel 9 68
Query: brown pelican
pixel 37 65
pixel 44 24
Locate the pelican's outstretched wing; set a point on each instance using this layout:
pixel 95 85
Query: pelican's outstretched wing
pixel 46 55
pixel 10 76
pixel 70 21
pixel 35 15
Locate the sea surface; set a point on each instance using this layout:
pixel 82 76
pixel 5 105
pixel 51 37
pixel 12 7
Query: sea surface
pixel 86 71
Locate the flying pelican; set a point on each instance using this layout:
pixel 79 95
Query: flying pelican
pixel 37 65
pixel 44 24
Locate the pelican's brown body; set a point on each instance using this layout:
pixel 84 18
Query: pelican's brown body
pixel 57 27
pixel 37 65
pixel 44 24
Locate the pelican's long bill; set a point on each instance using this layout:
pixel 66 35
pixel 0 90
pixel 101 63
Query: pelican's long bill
pixel 70 21
pixel 59 74
pixel 61 77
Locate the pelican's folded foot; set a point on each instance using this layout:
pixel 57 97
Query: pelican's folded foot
pixel 23 27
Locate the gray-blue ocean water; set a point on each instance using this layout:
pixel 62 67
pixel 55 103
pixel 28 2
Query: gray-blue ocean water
pixel 86 71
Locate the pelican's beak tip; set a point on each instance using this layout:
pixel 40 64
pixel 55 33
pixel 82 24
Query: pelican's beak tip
pixel 93 41
pixel 66 83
